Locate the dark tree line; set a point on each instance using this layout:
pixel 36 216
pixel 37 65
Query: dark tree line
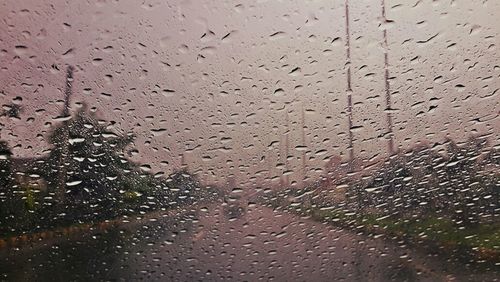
pixel 98 183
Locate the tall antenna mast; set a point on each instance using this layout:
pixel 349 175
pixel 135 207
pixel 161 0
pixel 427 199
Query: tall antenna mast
pixel 390 145
pixel 349 86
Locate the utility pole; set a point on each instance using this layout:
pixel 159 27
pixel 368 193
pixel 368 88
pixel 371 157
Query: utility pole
pixel 349 86
pixel 388 106
pixel 63 170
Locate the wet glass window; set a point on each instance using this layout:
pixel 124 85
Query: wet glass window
pixel 341 140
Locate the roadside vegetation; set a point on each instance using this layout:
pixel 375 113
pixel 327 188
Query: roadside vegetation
pixel 445 196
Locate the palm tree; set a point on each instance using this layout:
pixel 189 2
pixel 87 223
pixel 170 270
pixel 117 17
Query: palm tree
pixel 93 161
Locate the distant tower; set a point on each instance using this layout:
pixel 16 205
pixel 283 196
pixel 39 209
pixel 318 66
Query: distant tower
pixel 183 161
pixel 231 182
pixel 269 161
pixel 204 173
pixel 237 176
pixel 63 171
pixel 303 140
pixel 349 86
pixel 388 106
pixel 287 144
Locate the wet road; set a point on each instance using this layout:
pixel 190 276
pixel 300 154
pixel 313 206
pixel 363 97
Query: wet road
pixel 205 244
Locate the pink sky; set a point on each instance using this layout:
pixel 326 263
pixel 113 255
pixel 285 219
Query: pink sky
pixel 224 66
